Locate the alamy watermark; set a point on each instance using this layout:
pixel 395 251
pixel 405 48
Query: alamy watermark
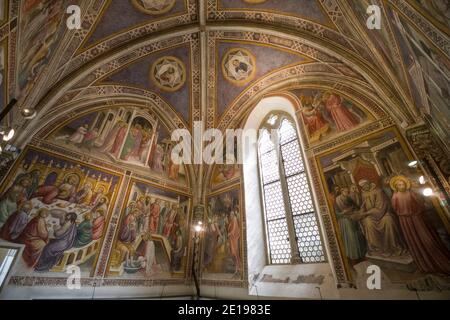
pixel 374 280
pixel 211 146
pixel 74 278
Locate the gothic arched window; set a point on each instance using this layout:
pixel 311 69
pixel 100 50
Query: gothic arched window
pixel 292 230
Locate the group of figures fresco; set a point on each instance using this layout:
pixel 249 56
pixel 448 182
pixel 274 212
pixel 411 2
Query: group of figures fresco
pixel 153 234
pixel 58 210
pixel 385 217
pixel 326 114
pixel 122 136
pixel 222 244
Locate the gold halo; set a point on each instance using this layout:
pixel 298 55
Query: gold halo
pixel 254 1
pixel 153 12
pixel 66 178
pixel 156 81
pixel 396 179
pixel 250 76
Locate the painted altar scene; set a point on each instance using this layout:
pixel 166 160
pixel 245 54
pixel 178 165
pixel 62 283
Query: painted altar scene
pixel 58 210
pixel 381 212
pixel 222 248
pixel 127 136
pixel 327 114
pixel 153 235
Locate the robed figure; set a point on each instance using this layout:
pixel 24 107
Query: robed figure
pixel 35 238
pixel 234 235
pixel 426 247
pixel 343 118
pixel 64 240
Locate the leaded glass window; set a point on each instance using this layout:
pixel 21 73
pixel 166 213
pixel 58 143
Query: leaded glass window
pixel 292 230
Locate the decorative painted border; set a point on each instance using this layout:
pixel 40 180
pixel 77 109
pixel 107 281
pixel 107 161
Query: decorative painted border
pixel 434 35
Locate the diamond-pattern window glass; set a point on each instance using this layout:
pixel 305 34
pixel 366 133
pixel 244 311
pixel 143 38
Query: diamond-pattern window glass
pixel 308 238
pixel 280 248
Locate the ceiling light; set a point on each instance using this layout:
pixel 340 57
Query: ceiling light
pixel 413 164
pixel 422 180
pixel 427 192
pixel 198 227
pixel 28 113
pixel 8 134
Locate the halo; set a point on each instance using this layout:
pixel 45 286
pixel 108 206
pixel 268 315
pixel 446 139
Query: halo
pixel 172 60
pixel 138 5
pixel 66 178
pixel 396 179
pixel 252 63
pixel 255 1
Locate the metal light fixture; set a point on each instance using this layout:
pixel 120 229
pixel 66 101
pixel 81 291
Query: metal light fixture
pixel 7 133
pixel 28 113
pixel 198 228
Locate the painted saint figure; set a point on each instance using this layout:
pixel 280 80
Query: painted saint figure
pixel 177 251
pixel 84 232
pixel 132 143
pixel 10 200
pixel 343 118
pixel 16 223
pixel 170 221
pixel 427 249
pixel 234 235
pixel 118 139
pixel 155 209
pixel 35 238
pixel 66 191
pixel 64 240
pixel 314 120
pixel 352 237
pixel 380 228
pixel 78 136
pixel 157 163
pixel 98 224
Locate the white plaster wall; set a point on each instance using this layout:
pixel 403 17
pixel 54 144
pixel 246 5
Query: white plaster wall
pixel 116 292
pixel 326 293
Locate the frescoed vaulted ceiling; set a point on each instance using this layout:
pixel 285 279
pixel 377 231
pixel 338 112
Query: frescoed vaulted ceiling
pixel 208 60
pixel 109 94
